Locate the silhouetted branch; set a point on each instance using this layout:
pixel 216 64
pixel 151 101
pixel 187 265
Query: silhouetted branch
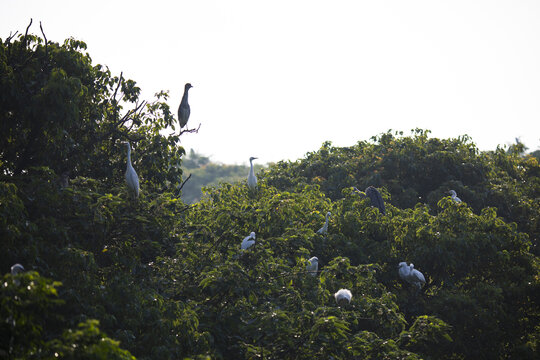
pixel 190 130
pixel 44 37
pixel 184 183
pixel 26 33
pixel 8 39
pixel 117 86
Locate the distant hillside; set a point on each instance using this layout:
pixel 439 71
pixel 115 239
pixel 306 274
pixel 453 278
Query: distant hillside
pixel 204 172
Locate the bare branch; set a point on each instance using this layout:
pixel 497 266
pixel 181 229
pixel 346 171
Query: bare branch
pixel 184 183
pixel 8 39
pixel 26 33
pixel 117 86
pixel 45 37
pixel 190 130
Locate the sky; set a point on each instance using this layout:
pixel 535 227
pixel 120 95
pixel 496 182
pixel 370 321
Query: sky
pixel 275 79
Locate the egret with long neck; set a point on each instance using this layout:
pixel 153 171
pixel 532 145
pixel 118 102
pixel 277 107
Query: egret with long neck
pixel 132 179
pixel 252 179
pixel 454 196
pixel 324 229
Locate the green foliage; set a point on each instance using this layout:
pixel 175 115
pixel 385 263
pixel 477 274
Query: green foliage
pixel 31 324
pixel 160 279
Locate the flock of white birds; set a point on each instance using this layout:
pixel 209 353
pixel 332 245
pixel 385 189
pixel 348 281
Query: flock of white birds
pixel 343 296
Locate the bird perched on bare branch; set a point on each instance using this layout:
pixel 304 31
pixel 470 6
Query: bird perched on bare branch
pixel 184 110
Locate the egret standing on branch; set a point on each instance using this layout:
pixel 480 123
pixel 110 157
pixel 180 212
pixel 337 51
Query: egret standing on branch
pixel 411 275
pixel 247 242
pixel 417 278
pixel 324 229
pixel 375 198
pixel 184 110
pixel 252 179
pixel 454 196
pixel 343 297
pixel 132 179
pixel 313 266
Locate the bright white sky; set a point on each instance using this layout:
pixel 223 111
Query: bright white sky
pixel 274 79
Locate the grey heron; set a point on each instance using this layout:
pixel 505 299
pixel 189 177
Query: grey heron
pixel 374 196
pixel 184 110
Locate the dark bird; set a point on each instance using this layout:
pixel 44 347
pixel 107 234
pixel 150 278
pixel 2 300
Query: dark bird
pixel 375 197
pixel 184 109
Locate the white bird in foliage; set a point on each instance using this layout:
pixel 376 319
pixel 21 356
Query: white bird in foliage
pixel 374 196
pixel 184 110
pixel 343 297
pixel 132 179
pixel 252 179
pixel 17 268
pixel 417 278
pixel 324 229
pixel 454 196
pixel 247 242
pixel 313 266
pixel 411 275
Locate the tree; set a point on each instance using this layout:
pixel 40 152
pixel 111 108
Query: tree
pixel 156 278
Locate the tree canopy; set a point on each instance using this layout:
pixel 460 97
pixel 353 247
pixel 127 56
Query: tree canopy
pixel 109 276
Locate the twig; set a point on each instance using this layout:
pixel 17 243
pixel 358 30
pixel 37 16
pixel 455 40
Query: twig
pixel 45 37
pixel 184 183
pixel 8 39
pixel 190 130
pixel 117 86
pixel 26 33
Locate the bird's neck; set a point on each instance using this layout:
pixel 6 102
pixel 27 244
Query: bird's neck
pixel 251 166
pixel 128 155
pixel 185 96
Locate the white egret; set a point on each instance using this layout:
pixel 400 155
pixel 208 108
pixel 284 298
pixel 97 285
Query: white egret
pixel 247 242
pixel 324 229
pixel 411 275
pixel 252 179
pixel 184 110
pixel 343 297
pixel 417 278
pixel 454 196
pixel 404 271
pixel 132 179
pixel 374 196
pixel 313 266
pixel 17 268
